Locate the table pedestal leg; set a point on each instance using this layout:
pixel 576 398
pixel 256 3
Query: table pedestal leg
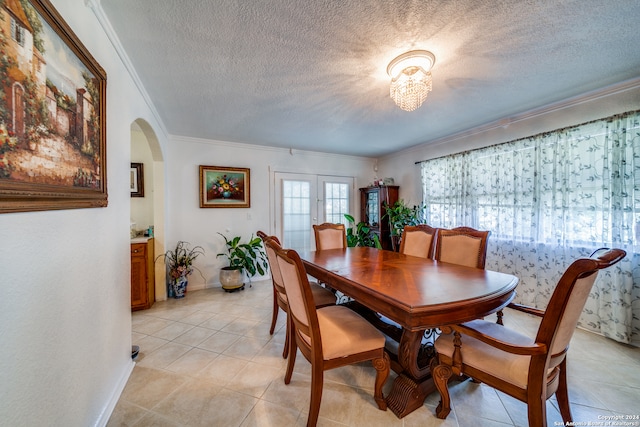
pixel 413 383
pixel 407 395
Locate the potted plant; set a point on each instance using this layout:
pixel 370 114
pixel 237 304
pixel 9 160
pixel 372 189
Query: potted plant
pixel 179 261
pixel 361 234
pixel 399 215
pixel 249 258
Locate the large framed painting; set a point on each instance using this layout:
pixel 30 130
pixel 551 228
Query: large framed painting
pixel 224 187
pixel 52 113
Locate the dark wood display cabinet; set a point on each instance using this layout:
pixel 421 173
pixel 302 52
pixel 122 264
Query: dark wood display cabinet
pixel 372 211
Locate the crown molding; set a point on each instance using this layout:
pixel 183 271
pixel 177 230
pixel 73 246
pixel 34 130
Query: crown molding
pixel 271 148
pixel 546 110
pixel 96 7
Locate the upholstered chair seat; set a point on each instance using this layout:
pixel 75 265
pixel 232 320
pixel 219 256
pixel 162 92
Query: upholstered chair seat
pixel 344 333
pixel 511 368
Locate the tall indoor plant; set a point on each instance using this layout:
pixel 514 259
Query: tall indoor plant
pixel 249 258
pixel 399 215
pixel 179 261
pixel 360 234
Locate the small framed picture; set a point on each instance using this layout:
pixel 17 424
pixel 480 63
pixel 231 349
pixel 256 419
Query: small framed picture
pixel 224 187
pixel 137 180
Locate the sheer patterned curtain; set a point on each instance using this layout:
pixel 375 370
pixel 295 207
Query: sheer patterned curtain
pixel 549 199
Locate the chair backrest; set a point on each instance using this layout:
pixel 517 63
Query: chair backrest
pixel 463 246
pixel 263 236
pixel 276 276
pixel 330 236
pixel 418 240
pixel 300 298
pixel 568 300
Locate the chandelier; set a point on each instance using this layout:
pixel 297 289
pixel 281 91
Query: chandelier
pixel 411 78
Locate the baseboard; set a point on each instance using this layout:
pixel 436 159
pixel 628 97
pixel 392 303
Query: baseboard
pixel 115 396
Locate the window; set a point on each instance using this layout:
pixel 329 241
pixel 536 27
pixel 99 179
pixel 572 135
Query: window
pixel 547 200
pixel 17 32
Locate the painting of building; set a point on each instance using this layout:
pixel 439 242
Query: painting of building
pixel 49 125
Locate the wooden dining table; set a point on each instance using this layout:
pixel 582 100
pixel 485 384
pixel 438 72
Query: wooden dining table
pixel 418 295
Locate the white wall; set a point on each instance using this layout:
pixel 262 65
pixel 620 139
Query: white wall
pixel 142 207
pixel 189 222
pixel 616 99
pixel 65 334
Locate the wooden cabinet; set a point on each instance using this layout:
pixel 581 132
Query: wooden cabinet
pixel 143 292
pixel 372 202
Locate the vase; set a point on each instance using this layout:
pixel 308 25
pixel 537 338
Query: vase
pixel 180 287
pixel 232 278
pixel 226 194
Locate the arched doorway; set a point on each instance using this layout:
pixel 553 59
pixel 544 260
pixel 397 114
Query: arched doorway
pixel 145 148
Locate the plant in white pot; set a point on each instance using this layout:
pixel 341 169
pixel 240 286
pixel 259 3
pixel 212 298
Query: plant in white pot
pixel 247 257
pixel 179 261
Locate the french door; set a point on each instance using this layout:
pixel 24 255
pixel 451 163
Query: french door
pixel 302 200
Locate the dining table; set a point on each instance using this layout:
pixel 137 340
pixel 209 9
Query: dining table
pixel 417 295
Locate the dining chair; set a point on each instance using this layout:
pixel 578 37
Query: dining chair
pixel 462 245
pixel 418 240
pixel 321 296
pixel 530 369
pixel 328 337
pixel 330 236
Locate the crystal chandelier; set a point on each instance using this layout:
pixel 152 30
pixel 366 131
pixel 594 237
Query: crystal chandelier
pixel 411 78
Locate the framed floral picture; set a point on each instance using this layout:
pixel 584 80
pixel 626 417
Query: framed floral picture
pixel 224 187
pixel 52 113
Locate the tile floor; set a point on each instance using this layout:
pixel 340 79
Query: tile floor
pixel 208 360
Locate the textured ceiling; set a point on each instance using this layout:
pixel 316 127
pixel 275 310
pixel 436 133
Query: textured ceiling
pixel 311 74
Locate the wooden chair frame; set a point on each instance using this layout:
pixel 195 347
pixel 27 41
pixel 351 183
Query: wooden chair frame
pixel 279 298
pixel 547 372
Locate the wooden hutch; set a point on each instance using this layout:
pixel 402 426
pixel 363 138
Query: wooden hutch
pixel 372 211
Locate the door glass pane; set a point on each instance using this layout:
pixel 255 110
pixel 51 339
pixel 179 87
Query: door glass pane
pixel 336 202
pixel 296 214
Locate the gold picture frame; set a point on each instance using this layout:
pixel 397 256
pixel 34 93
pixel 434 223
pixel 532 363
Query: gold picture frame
pixel 52 114
pixel 225 187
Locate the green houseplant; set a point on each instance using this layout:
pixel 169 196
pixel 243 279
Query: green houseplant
pixel 360 234
pixel 399 215
pixel 179 261
pixel 247 257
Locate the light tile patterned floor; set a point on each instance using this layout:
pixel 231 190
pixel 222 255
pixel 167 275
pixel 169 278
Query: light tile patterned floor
pixel 208 360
